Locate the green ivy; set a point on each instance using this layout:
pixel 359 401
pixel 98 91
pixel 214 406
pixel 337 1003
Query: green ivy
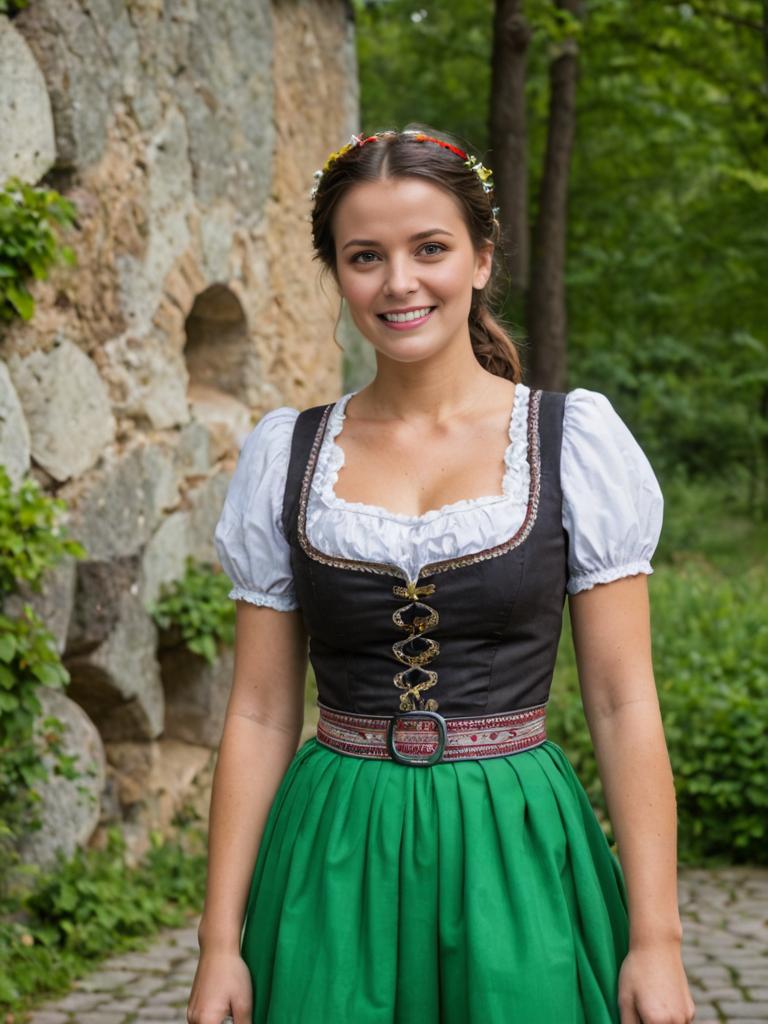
pixel 28 659
pixel 29 246
pixel 31 539
pixel 197 607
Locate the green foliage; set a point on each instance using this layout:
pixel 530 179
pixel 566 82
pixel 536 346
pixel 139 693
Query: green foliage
pixel 711 667
pixel 28 660
pixel 31 538
pixel 29 246
pixel 427 62
pixel 198 607
pixel 94 904
pixel 31 541
pixel 11 7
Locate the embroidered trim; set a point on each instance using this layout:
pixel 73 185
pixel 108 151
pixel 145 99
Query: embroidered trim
pixel 467 738
pixel 389 569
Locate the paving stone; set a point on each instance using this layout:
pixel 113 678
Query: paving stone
pixel 739 1010
pixel 730 993
pixel 77 1000
pixel 166 1013
pixel 101 1017
pixel 705 1013
pixel 712 976
pixel 106 981
pixel 148 984
pixel 748 979
pixel 48 1017
pixel 171 997
pixel 123 1004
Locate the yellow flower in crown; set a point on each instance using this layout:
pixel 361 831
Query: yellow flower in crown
pixel 337 154
pixel 483 173
pixel 356 140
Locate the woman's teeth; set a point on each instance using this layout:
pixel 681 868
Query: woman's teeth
pixel 400 318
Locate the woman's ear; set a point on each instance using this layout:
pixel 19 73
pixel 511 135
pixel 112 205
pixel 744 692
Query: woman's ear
pixel 483 265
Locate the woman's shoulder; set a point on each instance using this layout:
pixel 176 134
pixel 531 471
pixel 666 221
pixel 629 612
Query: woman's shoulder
pixel 268 437
pixel 590 419
pixel 585 402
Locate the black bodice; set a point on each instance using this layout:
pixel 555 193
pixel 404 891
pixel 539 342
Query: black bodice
pixel 473 635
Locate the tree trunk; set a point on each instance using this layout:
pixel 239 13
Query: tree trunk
pixel 547 318
pixel 507 132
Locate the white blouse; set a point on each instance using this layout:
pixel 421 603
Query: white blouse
pixel 612 505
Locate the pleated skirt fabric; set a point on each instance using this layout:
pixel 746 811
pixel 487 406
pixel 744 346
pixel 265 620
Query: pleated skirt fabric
pixel 471 892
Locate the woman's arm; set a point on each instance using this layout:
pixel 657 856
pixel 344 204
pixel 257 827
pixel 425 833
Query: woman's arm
pixel 261 733
pixel 612 641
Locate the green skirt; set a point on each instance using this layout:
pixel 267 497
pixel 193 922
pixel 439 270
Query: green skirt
pixel 465 892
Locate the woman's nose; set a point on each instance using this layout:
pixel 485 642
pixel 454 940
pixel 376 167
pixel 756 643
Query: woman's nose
pixel 400 278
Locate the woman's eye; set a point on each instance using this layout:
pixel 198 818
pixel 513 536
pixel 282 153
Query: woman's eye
pixel 437 247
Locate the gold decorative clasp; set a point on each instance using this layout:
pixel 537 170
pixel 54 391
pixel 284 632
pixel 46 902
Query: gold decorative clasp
pixel 412 591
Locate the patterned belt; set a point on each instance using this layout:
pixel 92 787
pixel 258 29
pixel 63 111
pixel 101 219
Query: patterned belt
pixel 407 735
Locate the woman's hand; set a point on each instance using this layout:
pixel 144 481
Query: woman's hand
pixel 653 987
pixel 222 986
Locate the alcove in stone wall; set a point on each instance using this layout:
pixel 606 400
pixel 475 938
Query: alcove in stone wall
pixel 217 342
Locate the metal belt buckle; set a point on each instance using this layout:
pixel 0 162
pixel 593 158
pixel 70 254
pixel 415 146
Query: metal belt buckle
pixel 442 736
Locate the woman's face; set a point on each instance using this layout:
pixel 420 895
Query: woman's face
pixel 402 245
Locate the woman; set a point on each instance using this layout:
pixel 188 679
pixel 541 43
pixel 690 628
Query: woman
pixel 429 855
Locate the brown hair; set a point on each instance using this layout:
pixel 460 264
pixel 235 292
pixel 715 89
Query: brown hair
pixel 397 155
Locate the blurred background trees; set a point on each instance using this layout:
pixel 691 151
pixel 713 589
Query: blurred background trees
pixel 661 205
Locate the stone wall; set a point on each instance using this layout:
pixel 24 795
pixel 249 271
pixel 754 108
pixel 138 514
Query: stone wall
pixel 187 135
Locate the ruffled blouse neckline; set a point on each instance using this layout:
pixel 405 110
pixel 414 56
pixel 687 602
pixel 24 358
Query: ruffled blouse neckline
pixel 514 482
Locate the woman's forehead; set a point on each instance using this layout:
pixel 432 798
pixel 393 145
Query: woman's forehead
pixel 394 206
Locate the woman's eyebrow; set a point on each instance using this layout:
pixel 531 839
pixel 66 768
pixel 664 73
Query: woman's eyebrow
pixel 413 238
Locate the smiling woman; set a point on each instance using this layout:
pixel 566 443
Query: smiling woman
pixel 430 855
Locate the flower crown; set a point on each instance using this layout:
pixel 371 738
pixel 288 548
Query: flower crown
pixel 471 161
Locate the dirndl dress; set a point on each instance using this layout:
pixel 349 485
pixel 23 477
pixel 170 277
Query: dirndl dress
pixel 465 891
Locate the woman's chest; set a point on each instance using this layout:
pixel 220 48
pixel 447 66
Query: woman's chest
pixel 357 531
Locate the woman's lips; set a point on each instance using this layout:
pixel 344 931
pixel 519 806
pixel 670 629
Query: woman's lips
pixel 405 325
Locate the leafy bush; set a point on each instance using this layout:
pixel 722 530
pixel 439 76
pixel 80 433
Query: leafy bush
pixel 94 904
pixel 710 640
pixel 28 244
pixel 198 607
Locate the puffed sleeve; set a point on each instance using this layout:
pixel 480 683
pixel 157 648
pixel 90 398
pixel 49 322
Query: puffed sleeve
pixel 612 503
pixel 249 538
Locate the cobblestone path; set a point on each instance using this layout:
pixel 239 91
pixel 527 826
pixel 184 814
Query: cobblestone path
pixel 725 920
